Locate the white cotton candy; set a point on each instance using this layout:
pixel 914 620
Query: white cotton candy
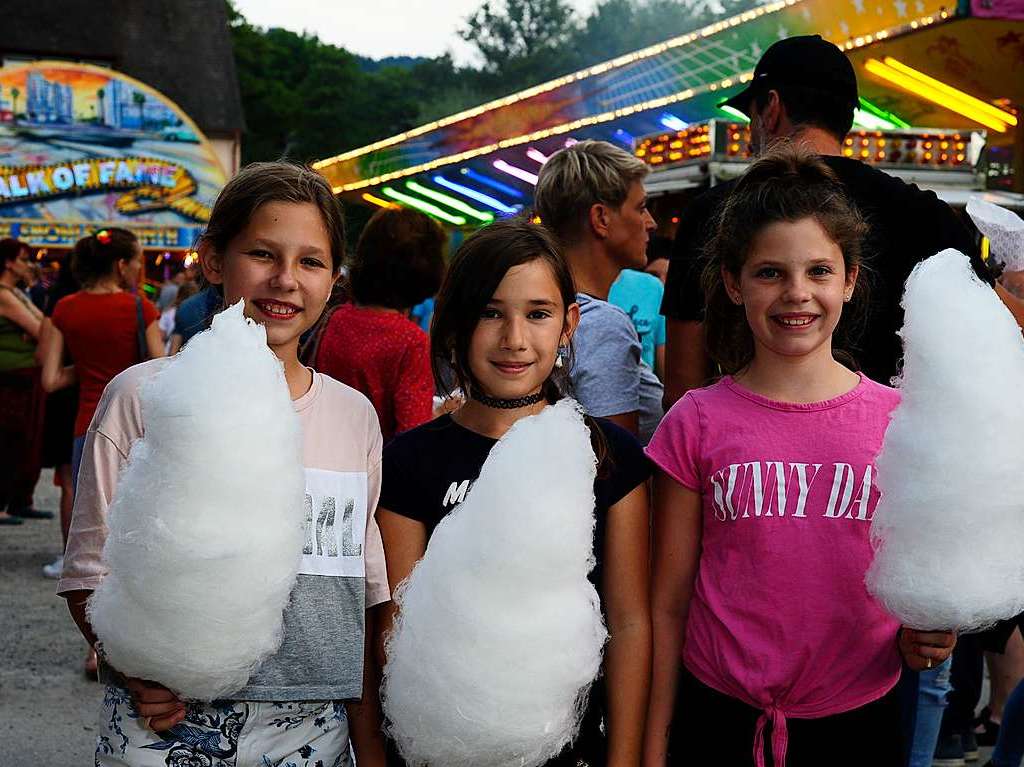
pixel 206 522
pixel 500 633
pixel 1004 229
pixel 949 527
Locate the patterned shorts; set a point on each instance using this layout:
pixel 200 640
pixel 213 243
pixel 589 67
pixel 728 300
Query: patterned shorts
pixel 225 734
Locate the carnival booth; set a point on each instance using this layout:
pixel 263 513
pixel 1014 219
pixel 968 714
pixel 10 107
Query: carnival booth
pixel 930 71
pixel 84 147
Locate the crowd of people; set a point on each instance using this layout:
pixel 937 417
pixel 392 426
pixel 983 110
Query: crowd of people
pixel 721 388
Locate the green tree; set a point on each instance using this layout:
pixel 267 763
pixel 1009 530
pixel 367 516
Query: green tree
pixel 14 101
pixel 521 42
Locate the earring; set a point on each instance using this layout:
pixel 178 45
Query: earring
pixel 452 358
pixel 558 360
pixel 847 297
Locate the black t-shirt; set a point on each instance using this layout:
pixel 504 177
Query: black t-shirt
pixel 907 225
pixel 428 471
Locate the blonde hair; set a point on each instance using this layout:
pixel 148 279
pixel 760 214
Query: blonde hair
pixel 581 176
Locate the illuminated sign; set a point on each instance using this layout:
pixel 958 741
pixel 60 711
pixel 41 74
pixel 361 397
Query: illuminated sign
pixel 82 147
pixel 719 140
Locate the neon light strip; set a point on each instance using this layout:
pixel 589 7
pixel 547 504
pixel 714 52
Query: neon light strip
pixel 961 107
pixel 864 119
pixel 994 111
pixel 492 183
pixel 734 112
pixel 672 122
pixel 451 202
pixel 625 138
pixel 473 194
pixel 512 170
pixel 616 114
pixel 537 155
pixel 621 61
pixel 378 201
pixel 423 205
pixel 877 111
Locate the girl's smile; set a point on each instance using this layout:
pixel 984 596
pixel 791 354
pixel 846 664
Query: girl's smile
pixel 276 311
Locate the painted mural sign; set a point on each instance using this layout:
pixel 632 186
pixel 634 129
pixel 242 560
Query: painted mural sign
pixel 83 147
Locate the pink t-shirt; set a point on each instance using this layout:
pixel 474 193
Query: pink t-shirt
pixel 780 617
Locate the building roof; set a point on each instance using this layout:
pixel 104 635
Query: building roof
pixel 180 47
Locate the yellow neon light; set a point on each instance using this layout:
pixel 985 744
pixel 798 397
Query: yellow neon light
pixel 958 105
pixel 604 117
pixel 949 90
pixel 621 61
pixel 378 201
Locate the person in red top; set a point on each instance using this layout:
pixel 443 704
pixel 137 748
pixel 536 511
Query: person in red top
pixel 103 327
pixel 99 325
pixel 371 344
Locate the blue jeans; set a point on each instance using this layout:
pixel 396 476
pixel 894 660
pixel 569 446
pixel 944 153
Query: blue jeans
pixel 1010 746
pixel 932 687
pixel 76 459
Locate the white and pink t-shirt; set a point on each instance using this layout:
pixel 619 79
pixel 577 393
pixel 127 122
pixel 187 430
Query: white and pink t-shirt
pixel 780 617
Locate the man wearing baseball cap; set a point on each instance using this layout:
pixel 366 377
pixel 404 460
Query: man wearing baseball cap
pixel 804 90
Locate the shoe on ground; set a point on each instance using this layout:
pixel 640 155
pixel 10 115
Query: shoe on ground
pixel 986 732
pixel 970 746
pixel 949 752
pixel 54 569
pixel 31 514
pixel 7 519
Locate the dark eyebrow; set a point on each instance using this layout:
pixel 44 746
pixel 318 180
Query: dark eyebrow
pixel 265 242
pixel 531 302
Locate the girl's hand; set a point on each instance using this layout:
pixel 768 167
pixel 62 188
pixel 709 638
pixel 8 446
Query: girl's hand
pixel 158 707
pixel 922 650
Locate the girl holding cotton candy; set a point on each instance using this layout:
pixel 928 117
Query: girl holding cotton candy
pixel 504 521
pixel 764 496
pixel 231 605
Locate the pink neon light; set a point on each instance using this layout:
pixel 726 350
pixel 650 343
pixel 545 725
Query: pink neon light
pixel 512 170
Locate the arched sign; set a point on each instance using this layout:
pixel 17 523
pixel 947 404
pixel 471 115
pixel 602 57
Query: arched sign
pixel 83 147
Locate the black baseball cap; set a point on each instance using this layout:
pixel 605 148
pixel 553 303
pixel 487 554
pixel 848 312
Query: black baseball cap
pixel 806 61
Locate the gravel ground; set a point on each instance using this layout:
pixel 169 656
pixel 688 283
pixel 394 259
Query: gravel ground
pixel 47 706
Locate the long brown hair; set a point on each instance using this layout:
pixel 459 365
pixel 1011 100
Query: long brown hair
pixel 786 185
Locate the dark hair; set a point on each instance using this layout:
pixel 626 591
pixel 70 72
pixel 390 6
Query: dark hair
pixel 785 185
pixel 399 259
pixel 810 106
pixel 185 291
pixel 96 256
pixel 10 249
pixel 261 182
pixel 64 285
pixel 476 270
